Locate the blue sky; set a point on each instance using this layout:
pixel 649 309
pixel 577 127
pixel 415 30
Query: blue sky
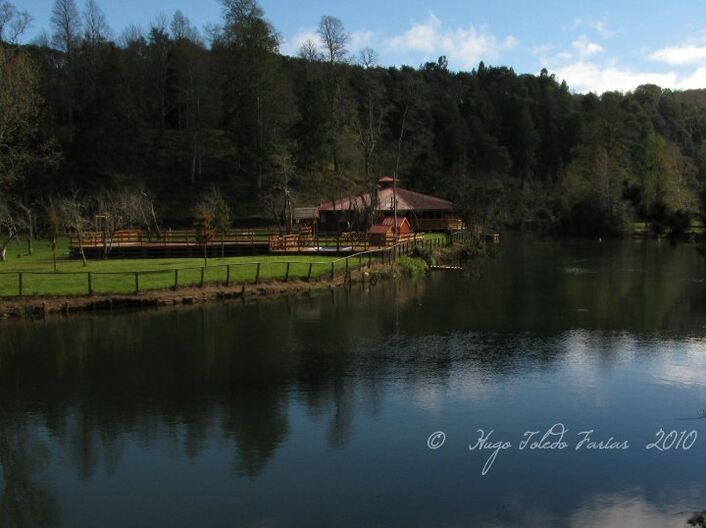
pixel 596 45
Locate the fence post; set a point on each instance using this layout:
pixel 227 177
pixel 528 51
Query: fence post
pixel 347 265
pixel 308 277
pixel 202 276
pixel 333 270
pixel 228 275
pixel 20 278
pixel 137 282
pixel 90 283
pixel 176 279
pixel 257 274
pixel 286 273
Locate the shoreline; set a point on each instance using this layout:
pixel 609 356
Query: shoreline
pixel 43 306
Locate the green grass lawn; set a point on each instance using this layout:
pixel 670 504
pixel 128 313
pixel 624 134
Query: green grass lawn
pixel 117 276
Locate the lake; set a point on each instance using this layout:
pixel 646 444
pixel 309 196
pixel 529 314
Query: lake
pixel 328 409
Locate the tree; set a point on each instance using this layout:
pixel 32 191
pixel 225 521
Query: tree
pixel 335 39
pixel 182 29
pixel 255 100
pixel 95 27
pixel 120 209
pixel 23 148
pixel 213 205
pixel 54 223
pixel 72 211
pixel 159 54
pixel 9 226
pixel 278 199
pixel 309 51
pixel 594 189
pixel 204 226
pixel 66 23
pixel 480 203
pixel 21 105
pixel 368 58
pixel 13 23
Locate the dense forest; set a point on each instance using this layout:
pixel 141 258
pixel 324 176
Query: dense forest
pixel 173 113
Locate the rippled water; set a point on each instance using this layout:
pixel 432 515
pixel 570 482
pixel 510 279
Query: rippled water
pixel 317 410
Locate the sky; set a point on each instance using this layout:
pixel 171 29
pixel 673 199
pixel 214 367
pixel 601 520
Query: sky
pixel 595 45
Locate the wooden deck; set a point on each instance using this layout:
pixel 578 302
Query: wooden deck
pixel 184 243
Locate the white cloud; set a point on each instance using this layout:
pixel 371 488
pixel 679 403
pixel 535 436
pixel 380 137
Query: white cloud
pixel 361 39
pixel 584 76
pixel 463 47
pixel 680 55
pixel 601 27
pixel 585 48
pixel 291 46
pixel 694 81
pixel 591 76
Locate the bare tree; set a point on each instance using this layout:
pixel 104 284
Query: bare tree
pixel 280 200
pixel 66 21
pixel 72 212
pixel 13 23
pixel 182 29
pixel 368 58
pixel 54 227
pixel 27 210
pixel 334 38
pixel 160 23
pixel 95 27
pixel 9 226
pixel 310 51
pixel 121 209
pixel 132 34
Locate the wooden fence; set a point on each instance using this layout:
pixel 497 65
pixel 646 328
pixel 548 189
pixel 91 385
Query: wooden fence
pixel 186 243
pixel 34 283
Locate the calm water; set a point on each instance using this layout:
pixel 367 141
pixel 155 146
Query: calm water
pixel 316 411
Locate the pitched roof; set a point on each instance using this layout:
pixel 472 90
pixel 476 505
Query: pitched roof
pixel 406 201
pixel 305 213
pixel 390 221
pixel 379 229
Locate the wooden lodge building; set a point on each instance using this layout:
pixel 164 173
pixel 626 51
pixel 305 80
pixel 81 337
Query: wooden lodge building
pixel 423 212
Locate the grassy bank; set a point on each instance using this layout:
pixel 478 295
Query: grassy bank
pixel 118 276
pixel 126 276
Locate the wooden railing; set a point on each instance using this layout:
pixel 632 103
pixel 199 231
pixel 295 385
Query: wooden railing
pixel 33 283
pixel 437 224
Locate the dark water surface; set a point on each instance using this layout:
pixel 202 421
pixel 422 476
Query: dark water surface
pixel 316 411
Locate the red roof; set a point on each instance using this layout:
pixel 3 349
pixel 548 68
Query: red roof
pixel 390 221
pixel 406 201
pixel 379 229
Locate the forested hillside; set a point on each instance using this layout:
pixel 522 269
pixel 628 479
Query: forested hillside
pixel 176 111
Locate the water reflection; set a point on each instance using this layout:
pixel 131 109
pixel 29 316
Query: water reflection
pixel 315 396
pixel 24 500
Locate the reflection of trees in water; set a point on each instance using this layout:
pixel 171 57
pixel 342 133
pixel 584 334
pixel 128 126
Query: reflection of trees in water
pixel 24 501
pixel 188 376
